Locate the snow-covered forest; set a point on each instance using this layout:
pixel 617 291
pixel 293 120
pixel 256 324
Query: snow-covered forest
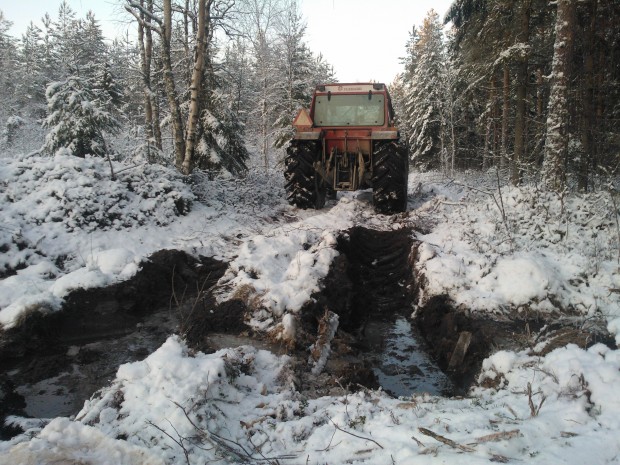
pixel 531 87
pixel 161 302
pixel 501 87
pixel 168 94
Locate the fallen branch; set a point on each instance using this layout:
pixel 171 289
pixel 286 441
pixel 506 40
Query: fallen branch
pixel 240 454
pixel 453 204
pixel 498 436
pixel 418 442
pixel 355 435
pixel 446 441
pixel 179 442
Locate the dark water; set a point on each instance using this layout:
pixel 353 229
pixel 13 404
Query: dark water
pixel 401 361
pixel 86 367
pixel 397 353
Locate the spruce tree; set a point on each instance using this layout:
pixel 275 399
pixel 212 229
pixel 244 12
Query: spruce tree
pixel 78 118
pixel 294 89
pixel 424 96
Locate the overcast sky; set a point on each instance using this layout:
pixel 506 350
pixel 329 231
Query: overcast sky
pixel 362 39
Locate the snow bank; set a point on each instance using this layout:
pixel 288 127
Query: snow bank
pixel 240 406
pixel 528 251
pixel 161 402
pixel 64 441
pixel 63 220
pixel 276 274
pixel 81 194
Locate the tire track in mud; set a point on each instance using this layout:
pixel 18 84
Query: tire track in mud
pixel 371 286
pixel 380 273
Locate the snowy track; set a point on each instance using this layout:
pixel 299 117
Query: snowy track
pixel 535 404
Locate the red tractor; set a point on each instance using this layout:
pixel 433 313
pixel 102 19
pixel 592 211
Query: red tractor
pixel 347 142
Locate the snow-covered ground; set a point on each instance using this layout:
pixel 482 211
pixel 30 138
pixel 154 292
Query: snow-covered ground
pixel 498 252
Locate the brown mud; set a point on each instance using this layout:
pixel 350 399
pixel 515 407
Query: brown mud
pixel 52 362
pixel 373 282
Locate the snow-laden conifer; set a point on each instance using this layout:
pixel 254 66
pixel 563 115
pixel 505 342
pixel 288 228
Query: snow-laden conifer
pixel 424 96
pixel 78 118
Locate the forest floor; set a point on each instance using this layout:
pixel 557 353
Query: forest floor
pixel 145 320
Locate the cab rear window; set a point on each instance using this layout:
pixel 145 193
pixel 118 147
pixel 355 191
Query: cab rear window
pixel 349 110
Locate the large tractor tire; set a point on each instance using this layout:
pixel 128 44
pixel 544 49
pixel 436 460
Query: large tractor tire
pixel 304 187
pixel 390 176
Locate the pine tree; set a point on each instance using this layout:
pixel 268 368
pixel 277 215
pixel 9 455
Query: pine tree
pixel 51 54
pixel 31 88
pixel 410 60
pixel 221 146
pixel 557 122
pixel 323 72
pixel 400 89
pixel 265 84
pixel 235 77
pixel 90 52
pixel 8 61
pixel 66 39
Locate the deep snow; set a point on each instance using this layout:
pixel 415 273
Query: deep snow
pixel 528 252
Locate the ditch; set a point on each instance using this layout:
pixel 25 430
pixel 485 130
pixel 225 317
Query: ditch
pixel 51 363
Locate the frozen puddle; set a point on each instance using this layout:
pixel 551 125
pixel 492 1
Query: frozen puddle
pixel 401 361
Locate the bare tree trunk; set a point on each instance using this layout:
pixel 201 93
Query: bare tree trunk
pixel 522 77
pixel 505 116
pixel 186 28
pixel 152 93
pixel 554 173
pixel 171 92
pixel 487 155
pixel 495 117
pixel 487 145
pixel 264 115
pixel 587 98
pixel 145 43
pixel 204 7
pixel 600 98
pixel 156 87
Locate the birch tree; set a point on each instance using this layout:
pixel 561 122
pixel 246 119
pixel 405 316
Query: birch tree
pixel 162 25
pixel 204 9
pixel 145 44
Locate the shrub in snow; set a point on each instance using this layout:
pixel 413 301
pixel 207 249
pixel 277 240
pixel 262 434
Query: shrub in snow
pixel 80 194
pixel 78 118
pixel 13 123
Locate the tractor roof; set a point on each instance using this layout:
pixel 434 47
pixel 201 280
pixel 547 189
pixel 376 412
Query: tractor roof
pixel 350 87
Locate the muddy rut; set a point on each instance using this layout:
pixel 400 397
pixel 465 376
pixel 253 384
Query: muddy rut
pixel 51 363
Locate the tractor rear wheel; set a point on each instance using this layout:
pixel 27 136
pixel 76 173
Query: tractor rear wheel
pixel 304 187
pixel 390 176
